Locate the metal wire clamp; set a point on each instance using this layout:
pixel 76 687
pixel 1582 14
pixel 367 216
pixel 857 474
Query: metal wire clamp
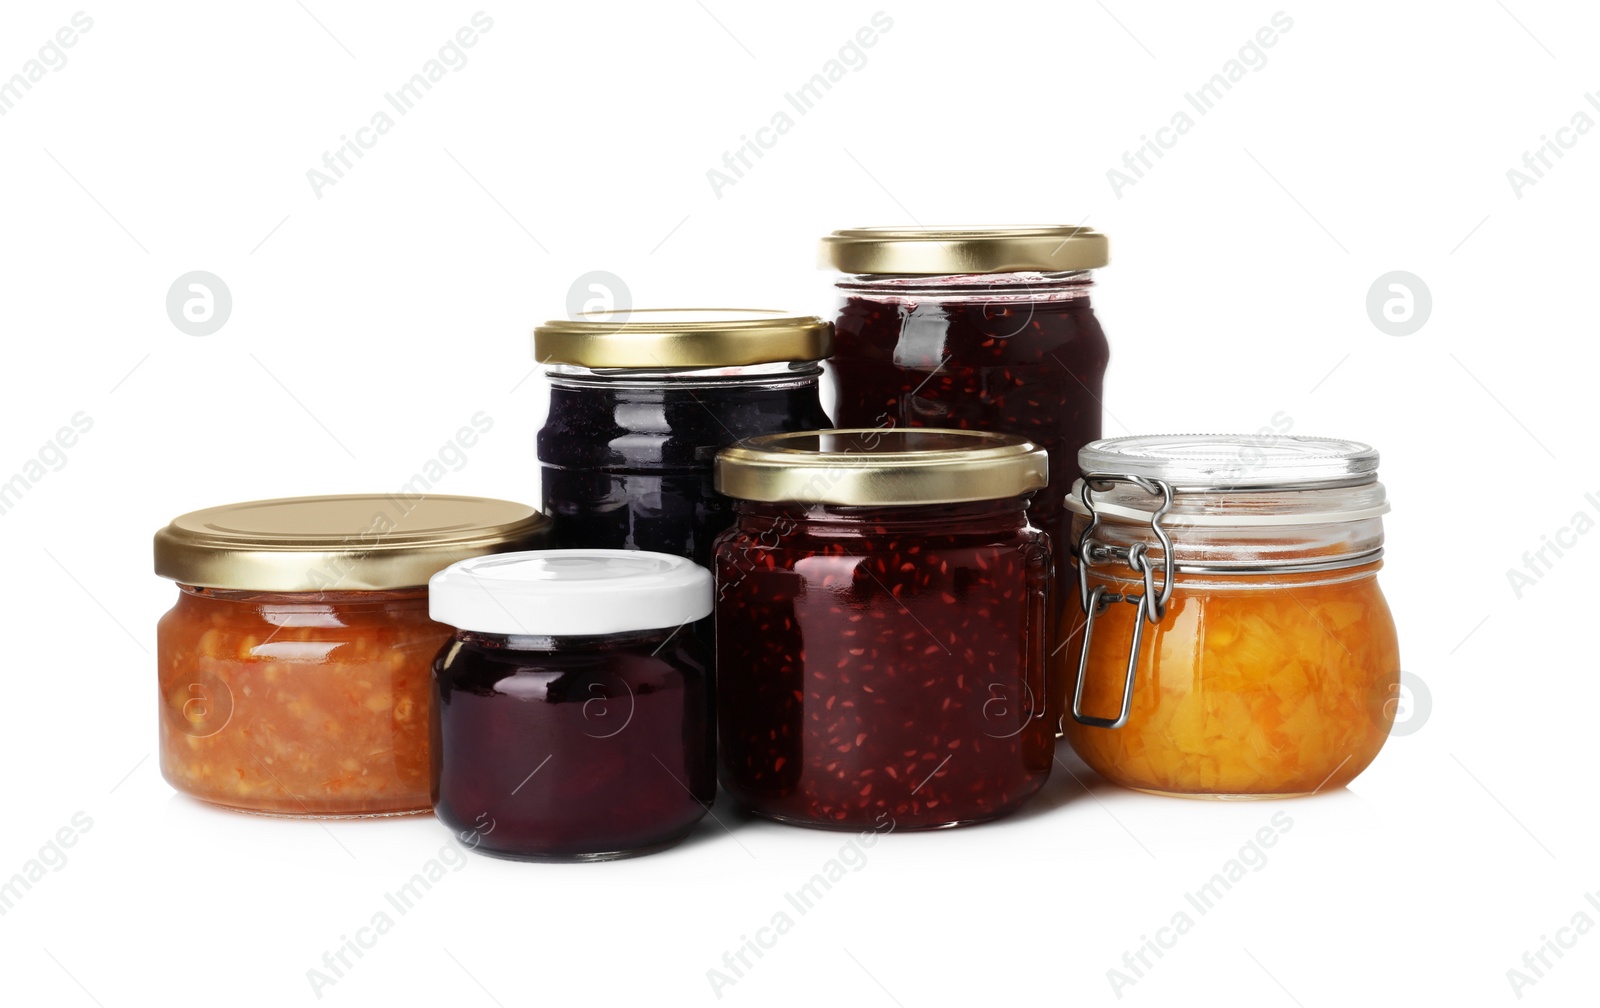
pixel 1150 606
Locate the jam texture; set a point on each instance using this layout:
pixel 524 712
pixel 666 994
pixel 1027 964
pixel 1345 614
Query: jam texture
pixel 628 465
pixel 298 704
pixel 1280 687
pixel 882 662
pixel 572 748
pixel 998 363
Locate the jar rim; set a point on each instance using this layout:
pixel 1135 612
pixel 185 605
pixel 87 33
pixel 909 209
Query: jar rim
pixel 342 542
pixel 1233 462
pixel 964 249
pixel 665 338
pixel 329 597
pixel 881 466
pixel 551 642
pixel 767 373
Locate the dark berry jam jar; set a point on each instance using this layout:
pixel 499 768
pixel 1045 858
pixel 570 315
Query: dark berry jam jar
pixel 640 405
pixel 881 628
pixel 570 715
pixel 984 329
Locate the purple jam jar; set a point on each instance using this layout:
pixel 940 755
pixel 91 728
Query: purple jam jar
pixel 570 716
pixel 640 404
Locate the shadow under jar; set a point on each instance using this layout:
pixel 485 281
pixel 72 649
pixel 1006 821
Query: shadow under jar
pixel 974 328
pixel 570 716
pixel 880 628
pixel 293 670
pixel 1234 640
pixel 641 401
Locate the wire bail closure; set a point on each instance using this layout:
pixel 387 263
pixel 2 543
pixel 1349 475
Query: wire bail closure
pixel 1151 606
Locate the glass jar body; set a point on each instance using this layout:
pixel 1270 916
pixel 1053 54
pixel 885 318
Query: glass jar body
pixel 298 704
pixel 626 457
pixel 1015 353
pixel 882 667
pixel 1250 686
pixel 572 748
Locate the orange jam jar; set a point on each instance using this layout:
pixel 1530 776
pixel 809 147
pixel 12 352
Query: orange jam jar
pixel 1254 655
pixel 294 670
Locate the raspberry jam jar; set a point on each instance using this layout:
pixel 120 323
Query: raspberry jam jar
pixel 973 328
pixel 570 717
pixel 639 407
pixel 1255 656
pixel 293 670
pixel 880 628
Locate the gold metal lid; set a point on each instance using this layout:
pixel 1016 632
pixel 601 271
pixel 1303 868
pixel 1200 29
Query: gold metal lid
pixel 870 466
pixel 352 542
pixel 957 250
pixel 683 338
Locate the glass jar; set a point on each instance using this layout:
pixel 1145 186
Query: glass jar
pixel 880 628
pixel 570 717
pixel 293 670
pixel 975 329
pixel 639 407
pixel 1255 656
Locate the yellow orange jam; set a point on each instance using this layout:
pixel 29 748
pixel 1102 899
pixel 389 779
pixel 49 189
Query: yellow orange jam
pixel 298 703
pixel 1249 686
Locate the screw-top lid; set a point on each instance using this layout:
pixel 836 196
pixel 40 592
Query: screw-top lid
pixel 873 466
pixel 683 338
pixel 570 593
pixel 932 251
pixel 1234 461
pixel 352 542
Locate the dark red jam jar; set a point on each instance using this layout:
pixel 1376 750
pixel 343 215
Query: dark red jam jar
pixel 570 716
pixel 640 404
pixel 881 628
pixel 984 329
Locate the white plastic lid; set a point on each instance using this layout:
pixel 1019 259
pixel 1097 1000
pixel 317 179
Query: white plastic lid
pixel 562 593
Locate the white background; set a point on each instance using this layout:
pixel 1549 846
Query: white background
pixel 370 322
